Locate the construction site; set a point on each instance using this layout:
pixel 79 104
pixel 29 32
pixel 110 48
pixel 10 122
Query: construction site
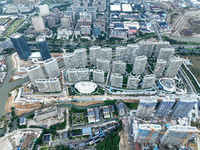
pixel 163 136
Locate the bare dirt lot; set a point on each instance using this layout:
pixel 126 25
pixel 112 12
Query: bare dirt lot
pixel 123 144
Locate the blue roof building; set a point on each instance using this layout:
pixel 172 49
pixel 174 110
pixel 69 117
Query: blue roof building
pixel 86 131
pixel 97 31
pixel 22 121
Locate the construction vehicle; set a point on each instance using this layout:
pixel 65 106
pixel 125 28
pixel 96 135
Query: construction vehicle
pixel 181 141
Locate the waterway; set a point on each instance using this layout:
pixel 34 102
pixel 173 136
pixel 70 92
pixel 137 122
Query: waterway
pixel 6 87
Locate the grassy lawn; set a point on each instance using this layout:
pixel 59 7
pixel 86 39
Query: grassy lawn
pixel 195 67
pixel 13 27
pixel 77 118
pixel 3 19
pixel 61 1
pixel 49 2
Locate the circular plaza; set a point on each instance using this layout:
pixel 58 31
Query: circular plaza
pixel 85 87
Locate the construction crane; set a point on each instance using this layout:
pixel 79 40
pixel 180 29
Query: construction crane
pixel 167 135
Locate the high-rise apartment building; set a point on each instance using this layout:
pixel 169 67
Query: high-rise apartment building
pixel 85 16
pixel 146 107
pixel 21 46
pixel 116 80
pixel 48 85
pixel 183 107
pixel 166 53
pixel 103 64
pixel 80 57
pixel 148 81
pixel 52 68
pixel 95 52
pixel 44 10
pixel 119 67
pixel 165 107
pixel 38 23
pixel 66 21
pixel 139 64
pixel 132 52
pixel 35 72
pixel 160 67
pixel 106 53
pixel 121 53
pixel 145 48
pixel 98 76
pixel 50 21
pixel 133 82
pixel 43 48
pixel 75 75
pixel 163 44
pixel 173 66
pixel 69 60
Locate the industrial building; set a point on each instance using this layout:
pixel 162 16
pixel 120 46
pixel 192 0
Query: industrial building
pixel 116 80
pixel 166 53
pixel 173 66
pixel 133 82
pixel 75 75
pixel 145 48
pixel 132 52
pixel 98 76
pixel 49 112
pixel 95 52
pixel 43 47
pixel 161 44
pixel 103 64
pixel 80 57
pixel 35 72
pixel 165 107
pixel 143 131
pixel 38 23
pixel 119 67
pixel 160 67
pixel 121 53
pixel 69 60
pixel 106 53
pixel 146 107
pixel 139 64
pixel 48 85
pixel 148 81
pixel 177 134
pixel 52 68
pixel 183 107
pixel 19 42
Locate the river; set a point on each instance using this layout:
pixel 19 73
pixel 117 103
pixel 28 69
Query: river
pixel 6 87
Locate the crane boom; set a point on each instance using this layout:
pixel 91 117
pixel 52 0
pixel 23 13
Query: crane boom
pixel 149 137
pixel 185 138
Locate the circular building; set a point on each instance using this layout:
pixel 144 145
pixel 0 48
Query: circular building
pixel 167 84
pixel 85 87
